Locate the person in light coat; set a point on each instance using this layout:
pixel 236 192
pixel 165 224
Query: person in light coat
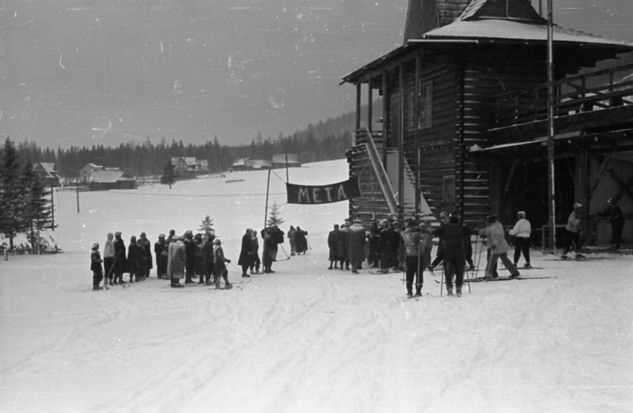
pixel 573 231
pixel 108 259
pixel 521 232
pixel 176 261
pixel 498 246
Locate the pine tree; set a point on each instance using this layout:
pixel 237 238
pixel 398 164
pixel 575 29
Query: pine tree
pixel 207 225
pixel 36 212
pixel 274 218
pixel 169 174
pixel 11 193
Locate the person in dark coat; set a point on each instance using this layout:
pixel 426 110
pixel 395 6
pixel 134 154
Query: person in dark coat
pixel 120 261
pixel 273 236
pixel 207 253
pixel 374 245
pixel 387 246
pixel 96 267
pixel 147 266
pixel 616 217
pixel 198 258
pixel 176 261
pixel 356 242
pixel 332 243
pixel 301 242
pixel 160 250
pixel 190 263
pixel 135 259
pixel 245 259
pixel 414 266
pixel 452 237
pixel 219 268
pixel 343 245
pixel 254 250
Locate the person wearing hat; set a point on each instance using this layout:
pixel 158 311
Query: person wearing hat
pixel 498 247
pixel 120 260
pixel 332 243
pixel 176 261
pixel 190 248
pixel 356 243
pixel 146 265
pixel 160 250
pixel 452 235
pixel 343 245
pixel 411 240
pixel 96 267
pixel 573 232
pixel 521 233
pixel 219 265
pixel 135 260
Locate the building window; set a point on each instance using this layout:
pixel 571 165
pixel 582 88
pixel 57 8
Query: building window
pixel 426 104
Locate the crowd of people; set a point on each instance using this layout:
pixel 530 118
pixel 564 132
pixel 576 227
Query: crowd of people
pixel 387 245
pixel 195 258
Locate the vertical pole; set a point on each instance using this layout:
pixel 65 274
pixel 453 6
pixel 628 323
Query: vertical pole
pixel 386 122
pixel 287 180
pixel 77 188
pixel 418 157
pixel 551 181
pixel 401 143
pixel 358 101
pixel 370 108
pixel 53 208
pixel 267 191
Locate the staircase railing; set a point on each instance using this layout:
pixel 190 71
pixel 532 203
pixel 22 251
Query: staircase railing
pixel 380 172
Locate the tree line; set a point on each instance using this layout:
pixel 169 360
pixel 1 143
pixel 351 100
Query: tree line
pixel 25 204
pixel 323 141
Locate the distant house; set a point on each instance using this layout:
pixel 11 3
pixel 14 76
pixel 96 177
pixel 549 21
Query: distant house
pixel 189 166
pixel 98 178
pixel 246 164
pixel 47 173
pixel 283 159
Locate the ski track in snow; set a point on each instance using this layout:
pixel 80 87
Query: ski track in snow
pixel 305 338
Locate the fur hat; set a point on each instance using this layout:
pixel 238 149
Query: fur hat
pixel 117 234
pixel 95 246
pixel 217 241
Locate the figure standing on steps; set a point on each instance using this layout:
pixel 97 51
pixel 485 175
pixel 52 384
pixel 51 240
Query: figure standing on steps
pixel 521 233
pixel 573 232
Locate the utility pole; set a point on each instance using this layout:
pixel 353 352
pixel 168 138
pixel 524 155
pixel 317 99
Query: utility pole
pixel 551 175
pixel 53 208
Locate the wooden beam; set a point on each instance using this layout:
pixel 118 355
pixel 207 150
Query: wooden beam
pixel 358 102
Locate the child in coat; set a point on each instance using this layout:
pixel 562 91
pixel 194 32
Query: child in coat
pixel 96 267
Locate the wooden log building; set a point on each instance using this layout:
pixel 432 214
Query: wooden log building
pixel 455 118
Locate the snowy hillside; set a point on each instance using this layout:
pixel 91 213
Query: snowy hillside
pixel 303 339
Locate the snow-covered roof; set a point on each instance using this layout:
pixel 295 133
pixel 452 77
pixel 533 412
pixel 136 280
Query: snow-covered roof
pixel 110 175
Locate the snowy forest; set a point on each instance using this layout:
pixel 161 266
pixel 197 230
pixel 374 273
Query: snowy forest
pixel 323 141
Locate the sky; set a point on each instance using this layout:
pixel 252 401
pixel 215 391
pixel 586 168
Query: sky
pixel 86 72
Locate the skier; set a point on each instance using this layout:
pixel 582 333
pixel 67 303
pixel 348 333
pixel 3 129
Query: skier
pixel 332 243
pixel 356 243
pixel 452 236
pixel 521 233
pixel 219 267
pixel 573 232
pixel 413 266
pixel 95 267
pixel 499 247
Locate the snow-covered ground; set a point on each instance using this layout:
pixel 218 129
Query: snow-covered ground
pixel 303 339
